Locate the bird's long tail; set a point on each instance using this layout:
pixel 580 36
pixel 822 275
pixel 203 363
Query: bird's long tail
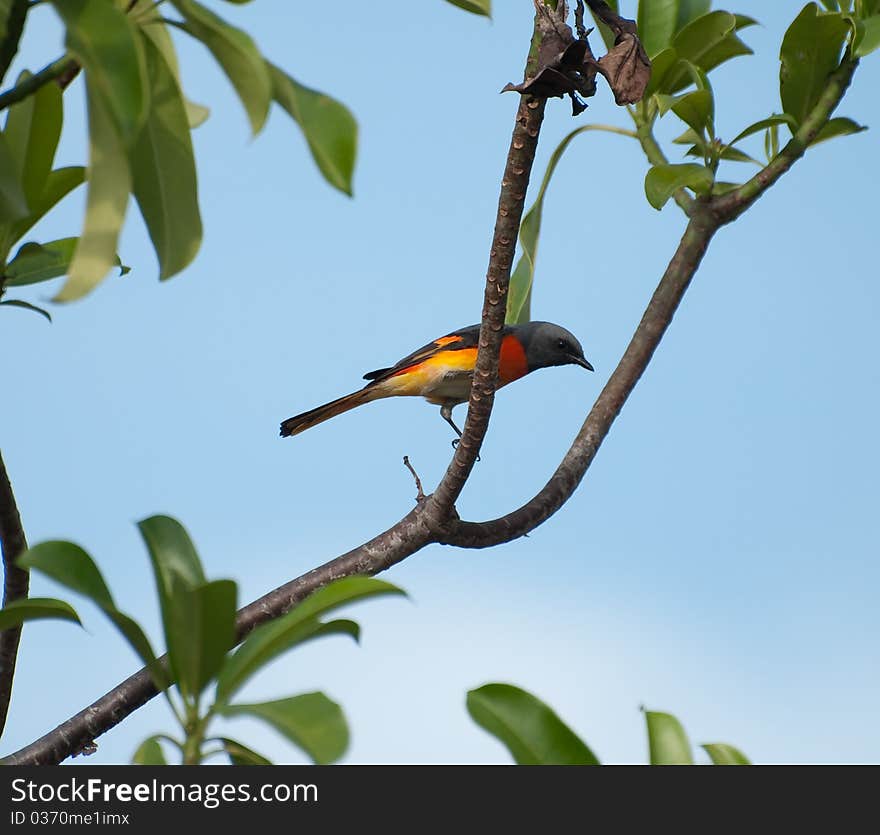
pixel 299 423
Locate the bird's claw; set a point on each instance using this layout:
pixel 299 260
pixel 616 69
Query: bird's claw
pixel 456 442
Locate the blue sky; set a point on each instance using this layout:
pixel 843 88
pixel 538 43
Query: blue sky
pixel 720 559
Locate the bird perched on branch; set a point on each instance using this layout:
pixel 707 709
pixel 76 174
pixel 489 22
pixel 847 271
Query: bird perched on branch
pixel 442 370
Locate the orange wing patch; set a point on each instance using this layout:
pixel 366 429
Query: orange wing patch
pixel 441 362
pixel 443 341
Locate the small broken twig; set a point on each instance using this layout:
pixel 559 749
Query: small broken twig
pixel 420 496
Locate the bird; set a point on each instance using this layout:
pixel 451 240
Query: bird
pixel 442 370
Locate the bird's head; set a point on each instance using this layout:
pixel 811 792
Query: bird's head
pixel 547 344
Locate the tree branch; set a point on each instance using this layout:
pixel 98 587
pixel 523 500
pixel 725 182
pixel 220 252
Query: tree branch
pixel 64 70
pixel 427 520
pixel 706 217
pixel 15 586
pixel 632 365
pixel 550 19
pixel 730 206
pixel 434 520
pixel 15 18
pixel 520 157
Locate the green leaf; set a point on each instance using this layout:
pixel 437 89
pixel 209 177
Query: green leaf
pixel 59 184
pixel 743 21
pixel 237 54
pixel 867 35
pixel 102 38
pixel 706 42
pixel 40 262
pixel 296 626
pixel 520 288
pixel 662 181
pixel 763 124
pixel 172 553
pixel 164 171
pixel 149 752
pixel 668 743
pixel 689 137
pixel 839 126
pixel 696 40
pixel 339 592
pixel 269 641
pixel 69 565
pixel 662 65
pixel 657 20
pixel 198 617
pixel 696 109
pixel 242 755
pixel 725 50
pixel 689 10
pixel 106 202
pixel 735 155
pixel 328 126
pixel 200 631
pixel 530 730
pixel 771 142
pixel 727 153
pixel 810 53
pixel 13 203
pixel 36 608
pixel 723 754
pixel 33 128
pixel 311 721
pixel 722 187
pixel 483 7
pixel 27 306
pixel 149 18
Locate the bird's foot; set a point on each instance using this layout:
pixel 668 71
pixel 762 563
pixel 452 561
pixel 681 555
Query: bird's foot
pixel 455 444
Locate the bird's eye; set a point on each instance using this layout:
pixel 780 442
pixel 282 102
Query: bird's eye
pixel 560 343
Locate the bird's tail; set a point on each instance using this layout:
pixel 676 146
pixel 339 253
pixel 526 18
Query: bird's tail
pixel 299 423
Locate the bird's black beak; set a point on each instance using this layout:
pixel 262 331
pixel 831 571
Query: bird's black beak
pixel 582 363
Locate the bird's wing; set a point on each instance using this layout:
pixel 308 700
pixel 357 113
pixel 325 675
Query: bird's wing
pixel 455 341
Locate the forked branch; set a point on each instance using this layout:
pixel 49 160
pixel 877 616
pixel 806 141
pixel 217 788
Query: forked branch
pixel 435 520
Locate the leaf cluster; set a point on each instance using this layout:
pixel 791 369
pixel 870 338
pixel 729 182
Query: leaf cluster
pixel 139 124
pixel 198 619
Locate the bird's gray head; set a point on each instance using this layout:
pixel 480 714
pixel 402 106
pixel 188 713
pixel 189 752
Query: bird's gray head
pixel 547 344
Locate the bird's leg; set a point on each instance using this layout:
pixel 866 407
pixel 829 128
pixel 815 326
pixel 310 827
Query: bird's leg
pixel 446 414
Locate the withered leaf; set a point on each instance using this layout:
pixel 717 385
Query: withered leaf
pixel 567 65
pixel 627 69
pixel 571 71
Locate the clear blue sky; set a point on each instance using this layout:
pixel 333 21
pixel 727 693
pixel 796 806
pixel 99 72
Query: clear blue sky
pixel 720 561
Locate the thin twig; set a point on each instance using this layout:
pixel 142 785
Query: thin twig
pixel 60 69
pixel 420 495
